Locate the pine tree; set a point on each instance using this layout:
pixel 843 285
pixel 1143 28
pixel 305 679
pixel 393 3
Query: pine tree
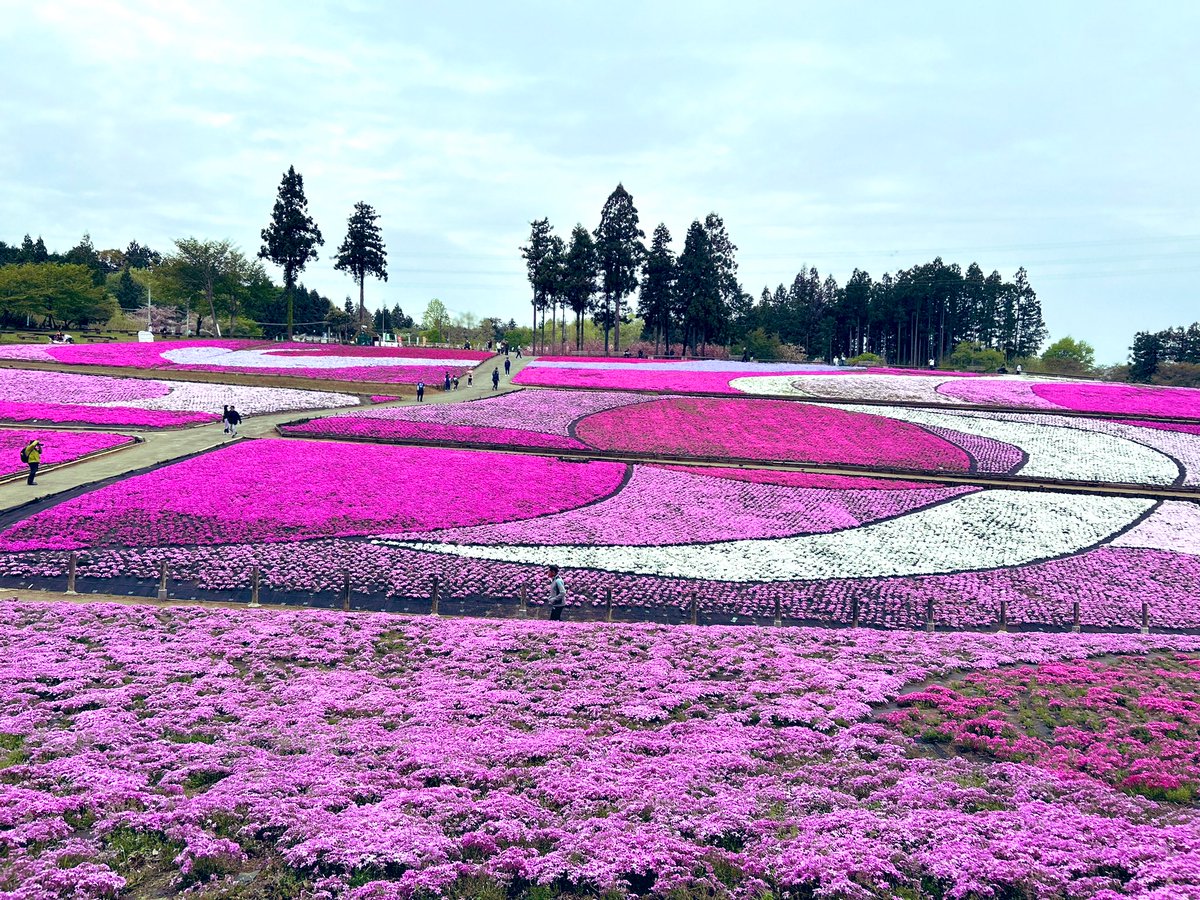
pixel 620 251
pixel 657 299
pixel 362 252
pixel 290 241
pixel 580 270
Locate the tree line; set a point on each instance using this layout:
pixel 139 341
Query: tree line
pixel 1170 356
pixel 695 298
pixel 228 291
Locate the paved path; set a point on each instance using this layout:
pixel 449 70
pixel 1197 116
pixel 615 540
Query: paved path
pixel 165 445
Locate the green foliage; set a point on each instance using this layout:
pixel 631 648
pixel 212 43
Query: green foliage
pixel 698 288
pixel 291 239
pixel 1178 374
pixel 433 336
pixel 763 345
pixel 61 294
pixel 866 360
pixel 969 357
pixel 1067 356
pixel 580 271
pixel 362 252
pixel 657 302
pixel 519 337
pixel 129 294
pixel 619 253
pixel 436 317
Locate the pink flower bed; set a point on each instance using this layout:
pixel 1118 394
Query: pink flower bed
pixel 333 362
pixel 378 429
pixel 770 430
pixel 486 524
pixel 1013 392
pixel 688 427
pixel 1123 398
pixel 358 757
pixel 1133 723
pixel 274 490
pixel 125 416
pixel 57 446
pixel 640 514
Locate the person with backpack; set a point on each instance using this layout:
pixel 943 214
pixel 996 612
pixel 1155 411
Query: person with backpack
pixel 495 378
pixel 558 594
pixel 234 419
pixel 31 455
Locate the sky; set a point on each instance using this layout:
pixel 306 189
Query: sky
pixel 1057 136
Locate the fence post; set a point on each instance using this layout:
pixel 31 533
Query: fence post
pixel 778 613
pixel 853 612
pixel 72 563
pixel 162 580
pixel 523 609
pixel 694 612
pixel 929 615
pixel 608 604
pixel 254 604
pixel 1145 617
pixel 1075 616
pixel 1004 615
pixel 433 596
pixel 345 590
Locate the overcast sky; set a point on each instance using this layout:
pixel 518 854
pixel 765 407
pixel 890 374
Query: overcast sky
pixel 1058 136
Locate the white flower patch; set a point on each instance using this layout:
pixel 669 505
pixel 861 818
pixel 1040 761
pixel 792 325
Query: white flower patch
pixel 1181 446
pixel 270 359
pixel 188 396
pixel 900 388
pixel 1055 448
pixel 1173 527
pixel 986 530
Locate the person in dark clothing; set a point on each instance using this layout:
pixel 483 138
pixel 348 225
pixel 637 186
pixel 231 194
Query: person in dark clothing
pixel 495 378
pixel 558 594
pixel 446 383
pixel 507 365
pixel 518 351
pixel 225 417
pixel 420 392
pixel 234 419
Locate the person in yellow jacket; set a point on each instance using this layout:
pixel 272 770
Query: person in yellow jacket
pixel 32 454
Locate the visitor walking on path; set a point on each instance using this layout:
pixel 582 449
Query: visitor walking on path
pixel 31 455
pixel 495 378
pixel 446 383
pixel 518 351
pixel 507 365
pixel 470 379
pixel 234 418
pixel 420 392
pixel 225 417
pixel 558 594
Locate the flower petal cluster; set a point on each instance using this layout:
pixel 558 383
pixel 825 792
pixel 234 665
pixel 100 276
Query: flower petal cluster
pixel 375 756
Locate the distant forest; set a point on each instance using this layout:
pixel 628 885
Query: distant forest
pixel 694 299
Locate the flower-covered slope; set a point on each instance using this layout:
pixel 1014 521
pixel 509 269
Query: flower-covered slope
pixel 406 365
pixel 366 757
pixel 38 396
pixel 304 512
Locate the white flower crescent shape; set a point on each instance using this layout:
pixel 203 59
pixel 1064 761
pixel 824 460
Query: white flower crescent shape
pixel 986 530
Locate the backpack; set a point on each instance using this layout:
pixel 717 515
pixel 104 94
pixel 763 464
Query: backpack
pixel 25 454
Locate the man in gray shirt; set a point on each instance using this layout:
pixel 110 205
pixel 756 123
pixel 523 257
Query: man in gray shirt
pixel 558 594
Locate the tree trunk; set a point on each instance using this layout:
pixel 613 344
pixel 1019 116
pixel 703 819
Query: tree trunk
pixel 617 324
pixel 212 307
pixel 288 289
pixel 362 304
